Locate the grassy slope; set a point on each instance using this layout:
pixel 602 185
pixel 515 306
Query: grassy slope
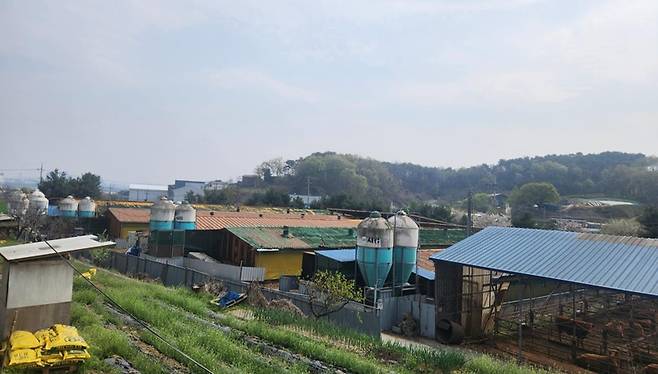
pixel 6 242
pixel 183 317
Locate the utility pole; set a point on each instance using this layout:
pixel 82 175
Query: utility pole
pixel 469 217
pixel 41 174
pixel 308 192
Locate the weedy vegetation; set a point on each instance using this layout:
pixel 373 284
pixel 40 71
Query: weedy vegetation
pixel 217 339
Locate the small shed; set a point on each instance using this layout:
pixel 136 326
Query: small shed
pixel 36 285
pixel 121 221
pixel 579 298
pixel 279 250
pixel 339 260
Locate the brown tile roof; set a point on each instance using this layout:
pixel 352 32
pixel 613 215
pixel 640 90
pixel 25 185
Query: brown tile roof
pixel 215 220
pixel 423 258
pixel 131 215
pixel 220 220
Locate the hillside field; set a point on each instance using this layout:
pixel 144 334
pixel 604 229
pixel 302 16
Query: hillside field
pixel 241 340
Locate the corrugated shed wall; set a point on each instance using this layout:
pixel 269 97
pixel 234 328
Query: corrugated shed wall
pixel 277 264
pixel 128 227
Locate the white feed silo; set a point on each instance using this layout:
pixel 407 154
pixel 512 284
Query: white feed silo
pixel 68 207
pixel 86 208
pixel 185 217
pixel 18 202
pixel 38 202
pixel 162 215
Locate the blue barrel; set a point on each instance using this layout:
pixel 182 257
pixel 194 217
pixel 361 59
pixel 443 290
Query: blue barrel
pixel 374 249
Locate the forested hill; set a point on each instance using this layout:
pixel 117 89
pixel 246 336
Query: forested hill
pixel 356 181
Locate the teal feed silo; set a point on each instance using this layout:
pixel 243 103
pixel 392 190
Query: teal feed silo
pixel 374 249
pixel 162 215
pixel 87 208
pixel 185 218
pixel 68 207
pixel 405 245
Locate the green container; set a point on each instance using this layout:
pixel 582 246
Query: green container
pixel 374 249
pixel 374 264
pixel 404 259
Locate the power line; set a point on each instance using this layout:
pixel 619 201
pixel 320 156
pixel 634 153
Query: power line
pixel 37 169
pixel 122 309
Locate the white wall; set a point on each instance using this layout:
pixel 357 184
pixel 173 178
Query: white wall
pixel 38 283
pixel 178 194
pixel 148 195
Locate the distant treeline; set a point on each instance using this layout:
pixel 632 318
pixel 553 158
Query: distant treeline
pixel 350 181
pixel 614 174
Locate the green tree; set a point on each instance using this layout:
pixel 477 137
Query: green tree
pixel 271 168
pixel 271 197
pixel 523 219
pixel 439 212
pixel 482 202
pixel 526 201
pixel 228 195
pixel 297 202
pixel 87 184
pixel 59 184
pixel 193 198
pixel 56 184
pixel 534 194
pixel 330 291
pixel 649 221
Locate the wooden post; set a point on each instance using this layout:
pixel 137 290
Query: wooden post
pixel 520 323
pixel 573 318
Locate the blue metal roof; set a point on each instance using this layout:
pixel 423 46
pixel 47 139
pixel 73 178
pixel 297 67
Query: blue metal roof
pixel 614 262
pixel 339 255
pixel 424 273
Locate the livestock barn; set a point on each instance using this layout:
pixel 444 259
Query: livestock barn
pixel 556 298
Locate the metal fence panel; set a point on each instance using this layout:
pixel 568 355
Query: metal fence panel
pixel 250 274
pixel 225 271
pixel 353 316
pixel 394 309
pixel 131 264
pixel 175 276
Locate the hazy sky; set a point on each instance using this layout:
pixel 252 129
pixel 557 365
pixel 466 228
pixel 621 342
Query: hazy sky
pixel 148 91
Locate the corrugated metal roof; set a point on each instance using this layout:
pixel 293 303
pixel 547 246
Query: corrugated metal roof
pixel 613 262
pixel 267 238
pixel 338 255
pixel 131 215
pixel 425 265
pixel 325 237
pixel 148 187
pixel 299 237
pixel 424 273
pixel 36 250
